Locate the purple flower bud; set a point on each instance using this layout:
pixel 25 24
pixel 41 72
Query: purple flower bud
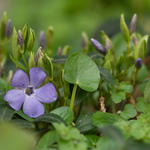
pixel 138 63
pixel 37 55
pixel 59 51
pixel 42 42
pixel 8 29
pixel 99 47
pixel 20 40
pixel 135 40
pixel 107 45
pixel 132 25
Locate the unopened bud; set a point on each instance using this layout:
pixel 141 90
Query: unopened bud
pixel 84 42
pixel 132 25
pixel 31 61
pixel 59 51
pixel 42 40
pixel 135 40
pixel 107 45
pixel 37 55
pixel 8 29
pixel 20 40
pixel 10 76
pixel 138 63
pixel 99 47
pixel 31 40
pixel 65 50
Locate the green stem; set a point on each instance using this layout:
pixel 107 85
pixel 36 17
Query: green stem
pixel 60 101
pixel 113 108
pixel 128 48
pixel 24 61
pixel 136 73
pixel 73 96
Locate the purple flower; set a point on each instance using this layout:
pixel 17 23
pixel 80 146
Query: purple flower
pixel 28 94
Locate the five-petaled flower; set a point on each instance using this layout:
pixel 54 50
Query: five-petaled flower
pixel 28 94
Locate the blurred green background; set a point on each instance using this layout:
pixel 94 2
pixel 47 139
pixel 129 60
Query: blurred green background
pixel 69 18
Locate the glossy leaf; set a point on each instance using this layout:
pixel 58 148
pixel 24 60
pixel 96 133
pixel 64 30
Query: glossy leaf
pixel 81 70
pixel 64 112
pixel 60 59
pixel 84 123
pixel 128 112
pixel 106 76
pixel 50 118
pixel 100 119
pixel 6 113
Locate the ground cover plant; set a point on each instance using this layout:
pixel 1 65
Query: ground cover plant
pixel 95 99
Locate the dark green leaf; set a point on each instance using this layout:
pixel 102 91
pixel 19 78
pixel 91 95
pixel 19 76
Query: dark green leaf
pixel 20 65
pixel 6 113
pixel 106 76
pixel 92 140
pixel 95 55
pixel 50 118
pixel 84 123
pixel 64 112
pixel 81 70
pixel 100 119
pixel 60 59
pixel 23 123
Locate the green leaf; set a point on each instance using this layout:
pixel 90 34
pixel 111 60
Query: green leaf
pixel 128 112
pixel 106 76
pixel 143 73
pixel 95 55
pixel 84 123
pixel 81 70
pixel 80 96
pixel 6 113
pixel 20 65
pixel 147 91
pixel 126 87
pixel 117 97
pixel 124 29
pixel 23 123
pixel 92 140
pixel 64 112
pixel 48 139
pixel 50 118
pixel 100 119
pixel 3 84
pixel 60 59
pixel 142 105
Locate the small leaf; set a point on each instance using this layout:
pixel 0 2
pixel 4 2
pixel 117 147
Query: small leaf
pixel 100 119
pixel 81 70
pixel 95 55
pixel 20 65
pixel 60 59
pixel 64 112
pixel 50 118
pixel 84 123
pixel 126 87
pixel 92 140
pixel 106 76
pixel 128 112
pixel 117 97
pixel 6 113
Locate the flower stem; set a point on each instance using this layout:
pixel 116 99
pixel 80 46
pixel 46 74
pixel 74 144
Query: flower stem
pixel 136 73
pixel 24 61
pixel 60 101
pixel 73 96
pixel 113 108
pixel 128 48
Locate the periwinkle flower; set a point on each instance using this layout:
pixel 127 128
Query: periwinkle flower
pixel 28 92
pixel 138 63
pixel 99 47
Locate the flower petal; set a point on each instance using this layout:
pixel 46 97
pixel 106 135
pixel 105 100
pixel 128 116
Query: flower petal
pixel 46 93
pixel 15 98
pixel 37 76
pixel 20 79
pixel 32 107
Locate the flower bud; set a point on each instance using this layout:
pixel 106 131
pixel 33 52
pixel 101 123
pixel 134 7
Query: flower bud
pixel 84 42
pixel 42 40
pixel 135 40
pixel 107 45
pixel 99 47
pixel 8 29
pixel 132 25
pixel 59 51
pixel 37 55
pixel 31 40
pixel 31 61
pixel 65 50
pixel 138 63
pixel 20 40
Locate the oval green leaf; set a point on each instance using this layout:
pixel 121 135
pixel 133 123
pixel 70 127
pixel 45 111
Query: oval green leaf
pixel 64 112
pixel 81 70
